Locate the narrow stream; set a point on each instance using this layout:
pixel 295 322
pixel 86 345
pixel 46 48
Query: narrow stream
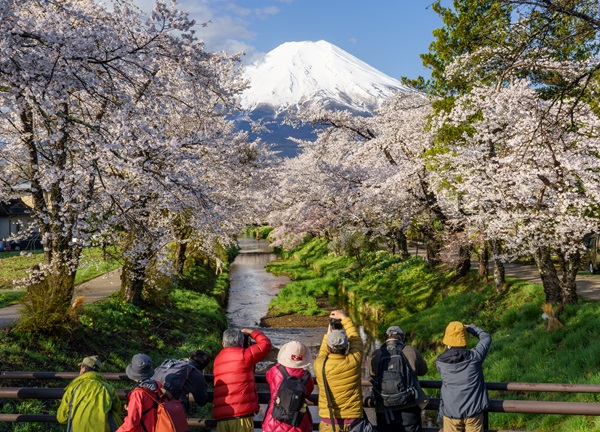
pixel 251 290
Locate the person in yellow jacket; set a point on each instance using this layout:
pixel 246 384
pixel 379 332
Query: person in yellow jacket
pixel 341 353
pixel 90 403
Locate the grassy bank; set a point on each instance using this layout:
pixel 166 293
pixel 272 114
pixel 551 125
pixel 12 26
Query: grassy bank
pixel 14 266
pixel 388 291
pixel 194 318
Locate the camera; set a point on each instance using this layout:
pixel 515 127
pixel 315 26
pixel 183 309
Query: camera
pixel 247 341
pixel 336 324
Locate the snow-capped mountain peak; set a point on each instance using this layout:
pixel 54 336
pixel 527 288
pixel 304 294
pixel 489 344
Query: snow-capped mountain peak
pixel 296 74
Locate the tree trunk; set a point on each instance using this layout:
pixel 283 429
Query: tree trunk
pixel 483 259
pixel 179 259
pixel 132 281
pixel 464 260
pixel 432 245
pixel 499 271
pixel 402 243
pixel 569 268
pixel 432 248
pixel 549 276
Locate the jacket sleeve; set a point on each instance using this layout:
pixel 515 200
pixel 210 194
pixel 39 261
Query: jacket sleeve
pixel 134 413
pixel 485 340
pixel 62 415
pixel 260 349
pixel 356 347
pixel 415 360
pixel 198 387
pixel 374 365
pixel 318 364
pixel 274 379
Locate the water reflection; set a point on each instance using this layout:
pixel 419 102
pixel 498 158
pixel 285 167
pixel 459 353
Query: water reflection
pixel 251 290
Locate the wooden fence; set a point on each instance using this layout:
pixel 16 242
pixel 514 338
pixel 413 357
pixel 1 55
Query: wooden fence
pixel 530 406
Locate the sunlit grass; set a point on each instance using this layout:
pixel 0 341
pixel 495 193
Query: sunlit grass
pixel 15 265
pixel 424 300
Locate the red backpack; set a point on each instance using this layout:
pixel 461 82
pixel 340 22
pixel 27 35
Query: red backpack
pixel 170 414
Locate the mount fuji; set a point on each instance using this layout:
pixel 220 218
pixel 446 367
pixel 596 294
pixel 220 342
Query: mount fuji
pixel 296 75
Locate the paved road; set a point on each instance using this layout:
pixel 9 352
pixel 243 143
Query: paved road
pixel 93 290
pixel 588 285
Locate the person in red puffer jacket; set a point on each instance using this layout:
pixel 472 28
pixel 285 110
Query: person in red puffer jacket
pixel 235 399
pixel 296 358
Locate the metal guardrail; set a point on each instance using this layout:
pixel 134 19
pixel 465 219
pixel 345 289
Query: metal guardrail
pixel 503 406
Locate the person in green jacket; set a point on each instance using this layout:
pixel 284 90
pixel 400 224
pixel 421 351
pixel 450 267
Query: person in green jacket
pixel 90 403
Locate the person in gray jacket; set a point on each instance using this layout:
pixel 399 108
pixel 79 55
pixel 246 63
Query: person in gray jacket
pixel 464 395
pixel 400 418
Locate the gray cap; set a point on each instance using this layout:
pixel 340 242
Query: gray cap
pixel 337 339
pixel 140 367
pixel 92 362
pixel 394 331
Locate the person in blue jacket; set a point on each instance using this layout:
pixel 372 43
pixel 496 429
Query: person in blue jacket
pixel 464 395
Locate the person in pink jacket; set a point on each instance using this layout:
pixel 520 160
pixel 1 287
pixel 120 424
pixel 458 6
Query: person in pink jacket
pixel 296 358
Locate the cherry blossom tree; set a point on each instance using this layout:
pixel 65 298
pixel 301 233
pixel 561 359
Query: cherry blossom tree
pixel 116 123
pixel 318 191
pixel 545 69
pixel 527 173
pixel 362 175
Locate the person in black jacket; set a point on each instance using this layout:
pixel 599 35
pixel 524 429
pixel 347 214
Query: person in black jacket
pixel 185 376
pixel 464 394
pixel 406 418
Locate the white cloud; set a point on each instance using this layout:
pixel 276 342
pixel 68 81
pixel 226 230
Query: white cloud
pixel 226 24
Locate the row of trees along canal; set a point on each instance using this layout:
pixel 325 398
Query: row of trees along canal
pixel 115 125
pixel 497 153
pixel 123 137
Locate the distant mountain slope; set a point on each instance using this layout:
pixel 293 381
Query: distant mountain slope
pixel 296 75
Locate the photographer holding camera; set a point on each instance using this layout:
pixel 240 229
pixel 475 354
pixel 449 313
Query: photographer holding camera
pixel 339 363
pixel 235 398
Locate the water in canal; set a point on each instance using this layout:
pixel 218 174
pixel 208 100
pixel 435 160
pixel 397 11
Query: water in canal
pixel 252 288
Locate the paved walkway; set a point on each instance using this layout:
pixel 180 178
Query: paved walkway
pixel 92 290
pixel 588 286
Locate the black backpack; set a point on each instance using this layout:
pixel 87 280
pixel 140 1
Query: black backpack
pixel 288 405
pixel 394 382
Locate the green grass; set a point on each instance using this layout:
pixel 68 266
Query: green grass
pixel 115 331
pixel 261 232
pixel 14 265
pixel 424 300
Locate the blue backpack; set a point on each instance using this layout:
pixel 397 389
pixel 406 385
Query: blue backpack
pixel 173 374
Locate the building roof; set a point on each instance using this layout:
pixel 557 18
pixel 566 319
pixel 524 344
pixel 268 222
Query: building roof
pixel 14 207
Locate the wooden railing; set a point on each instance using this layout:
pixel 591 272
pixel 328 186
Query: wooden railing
pixel 503 406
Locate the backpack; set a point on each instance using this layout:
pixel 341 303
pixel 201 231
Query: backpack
pixel 173 374
pixel 288 405
pixel 170 414
pixel 394 382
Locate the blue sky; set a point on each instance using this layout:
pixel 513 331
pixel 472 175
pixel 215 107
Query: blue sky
pixel 387 34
